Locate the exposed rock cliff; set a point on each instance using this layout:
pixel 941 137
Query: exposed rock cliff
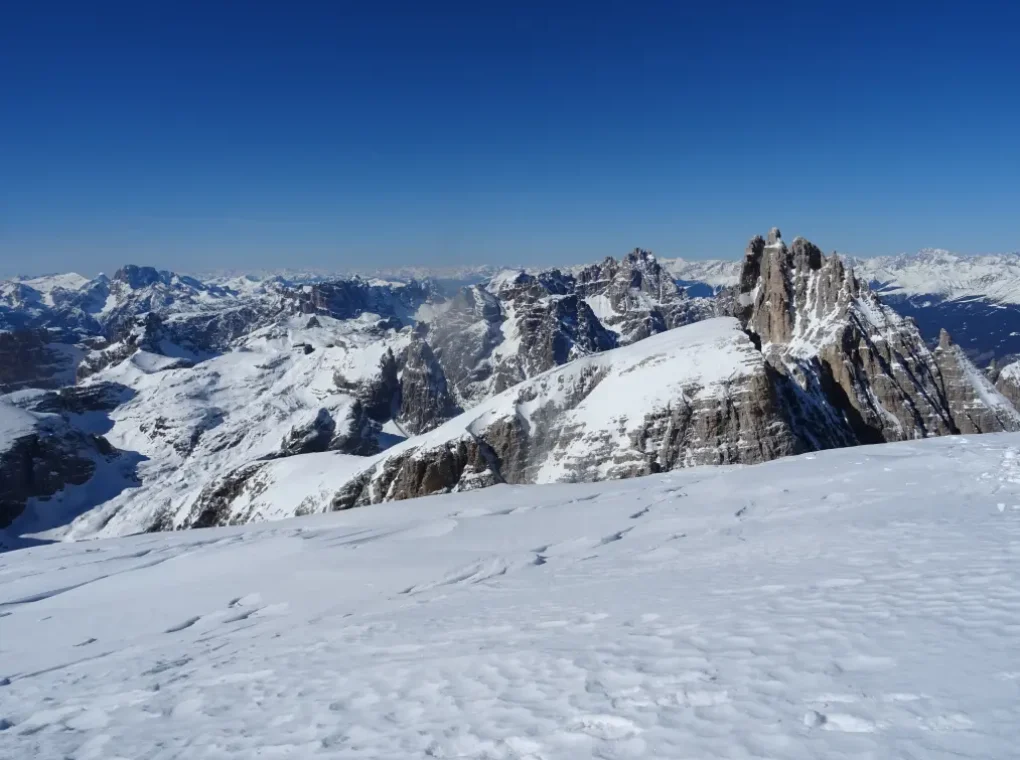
pixel 636 297
pixel 860 364
pixel 425 399
pixel 700 394
pixel 41 454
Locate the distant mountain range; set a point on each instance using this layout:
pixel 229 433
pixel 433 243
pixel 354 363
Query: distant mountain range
pixel 151 400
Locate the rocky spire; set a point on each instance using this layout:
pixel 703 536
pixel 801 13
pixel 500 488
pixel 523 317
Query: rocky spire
pixel 858 362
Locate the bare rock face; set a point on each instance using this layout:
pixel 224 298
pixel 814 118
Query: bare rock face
pixel 549 331
pixel 860 366
pixel 35 358
pixel 638 297
pixel 311 437
pixel 464 338
pixel 461 465
pixel 976 405
pixel 574 424
pixel 489 340
pixel 425 398
pixel 379 397
pixel 214 503
pixel 82 399
pixel 39 464
pixel 350 298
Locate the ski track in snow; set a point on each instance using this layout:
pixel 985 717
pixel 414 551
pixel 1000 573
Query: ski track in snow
pixel 848 604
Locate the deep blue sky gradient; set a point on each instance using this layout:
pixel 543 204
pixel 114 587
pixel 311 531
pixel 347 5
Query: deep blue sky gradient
pixel 230 135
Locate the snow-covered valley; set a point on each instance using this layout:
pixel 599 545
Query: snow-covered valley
pixel 853 603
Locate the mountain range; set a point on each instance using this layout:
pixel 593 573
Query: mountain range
pixel 151 400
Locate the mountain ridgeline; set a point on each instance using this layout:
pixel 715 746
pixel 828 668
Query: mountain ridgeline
pixel 239 399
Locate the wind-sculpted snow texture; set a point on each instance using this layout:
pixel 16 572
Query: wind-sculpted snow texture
pixel 855 603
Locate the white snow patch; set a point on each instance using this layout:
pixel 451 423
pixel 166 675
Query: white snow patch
pixel 548 622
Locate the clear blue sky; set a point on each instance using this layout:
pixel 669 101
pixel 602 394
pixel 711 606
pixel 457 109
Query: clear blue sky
pixel 337 134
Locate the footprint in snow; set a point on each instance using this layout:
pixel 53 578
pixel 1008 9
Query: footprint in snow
pixel 843 722
pixel 613 537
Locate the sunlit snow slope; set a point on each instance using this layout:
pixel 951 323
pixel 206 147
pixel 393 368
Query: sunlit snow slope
pixel 856 603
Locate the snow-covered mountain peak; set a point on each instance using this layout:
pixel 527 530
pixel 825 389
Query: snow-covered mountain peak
pixel 228 377
pixel 137 277
pixel 937 272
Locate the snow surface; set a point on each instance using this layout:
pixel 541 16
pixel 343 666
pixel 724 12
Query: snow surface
pixel 14 423
pixel 713 272
pixel 994 277
pixel 1011 371
pixel 859 603
pixel 192 425
pixel 694 362
pixel 48 283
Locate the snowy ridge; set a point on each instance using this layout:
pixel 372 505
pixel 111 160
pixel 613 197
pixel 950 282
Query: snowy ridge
pixel 587 420
pixel 934 271
pixel 695 361
pixel 193 424
pixel 714 273
pixel 854 603
pixel 218 380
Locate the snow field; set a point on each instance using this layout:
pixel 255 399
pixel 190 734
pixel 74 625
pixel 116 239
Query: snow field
pixel 847 604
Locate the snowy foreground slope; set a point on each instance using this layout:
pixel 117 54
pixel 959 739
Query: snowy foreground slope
pixel 849 604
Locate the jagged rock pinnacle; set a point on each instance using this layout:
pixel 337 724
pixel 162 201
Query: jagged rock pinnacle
pixel 775 236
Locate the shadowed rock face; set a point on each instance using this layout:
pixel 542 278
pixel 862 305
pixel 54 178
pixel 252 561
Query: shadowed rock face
pixel 486 342
pixel 35 358
pixel 491 338
pixel 463 339
pixel 551 331
pixel 350 298
pixel 425 399
pixel 40 464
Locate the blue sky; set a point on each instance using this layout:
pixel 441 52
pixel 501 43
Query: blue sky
pixel 240 134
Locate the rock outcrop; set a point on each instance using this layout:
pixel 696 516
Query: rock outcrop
pixel 975 404
pixel 36 358
pixel 861 366
pixel 636 297
pixel 823 363
pixel 425 398
pixel 1007 382
pixel 41 455
pixel 698 395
